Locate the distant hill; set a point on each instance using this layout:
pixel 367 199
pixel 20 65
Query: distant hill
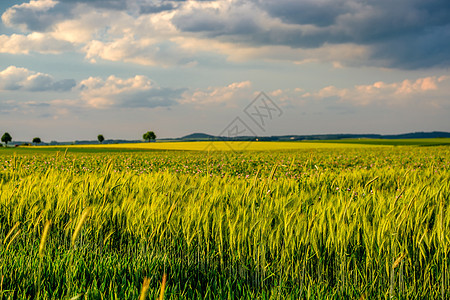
pixel 419 135
pixel 313 137
pixel 413 135
pixel 197 136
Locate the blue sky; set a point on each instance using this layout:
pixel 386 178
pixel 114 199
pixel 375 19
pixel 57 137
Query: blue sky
pixel 72 69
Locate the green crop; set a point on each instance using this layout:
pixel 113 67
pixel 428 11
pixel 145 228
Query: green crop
pixel 310 223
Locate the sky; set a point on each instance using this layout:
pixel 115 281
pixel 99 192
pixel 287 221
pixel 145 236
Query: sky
pixel 73 69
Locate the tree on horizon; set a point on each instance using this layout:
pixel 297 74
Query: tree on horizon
pixel 100 138
pixel 37 140
pixel 149 136
pixel 6 138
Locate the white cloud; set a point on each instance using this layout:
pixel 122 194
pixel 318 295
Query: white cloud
pixel 155 40
pixel 288 97
pixel 31 16
pixel 89 24
pixel 431 90
pixel 146 40
pixel 115 92
pixel 224 95
pixel 343 32
pixel 145 51
pixel 33 42
pixel 14 78
pixel 138 91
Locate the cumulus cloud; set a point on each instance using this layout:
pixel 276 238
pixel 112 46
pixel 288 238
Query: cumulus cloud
pixel 288 98
pixel 223 95
pixel 42 15
pixel 405 34
pixel 138 91
pixel 106 4
pixel 36 42
pixel 115 92
pixel 14 78
pixel 431 90
pixel 36 15
pixel 401 34
pixel 144 51
pixel 314 12
pixel 89 27
pixel 152 8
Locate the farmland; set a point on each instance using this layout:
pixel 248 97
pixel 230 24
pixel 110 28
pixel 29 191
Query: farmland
pixel 265 221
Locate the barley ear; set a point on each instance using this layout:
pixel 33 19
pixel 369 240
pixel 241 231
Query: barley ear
pixel 144 288
pixel 163 287
pixel 44 237
pixel 83 218
pixel 398 261
pixel 11 232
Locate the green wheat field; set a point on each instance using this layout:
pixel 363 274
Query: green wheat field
pixel 265 221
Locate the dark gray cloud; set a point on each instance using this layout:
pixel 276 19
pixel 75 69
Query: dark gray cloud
pixel 155 8
pixel 195 0
pixel 402 34
pixel 406 34
pixel 41 18
pixel 158 97
pixel 64 85
pixel 108 4
pixel 36 17
pixel 319 13
pixel 213 24
pixel 430 48
pixel 46 83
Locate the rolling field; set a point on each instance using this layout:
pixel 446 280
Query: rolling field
pixel 229 146
pixel 215 146
pixel 303 220
pixel 394 142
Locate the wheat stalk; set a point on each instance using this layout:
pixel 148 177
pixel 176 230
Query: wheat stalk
pixel 80 223
pixel 44 237
pixel 144 288
pixel 163 287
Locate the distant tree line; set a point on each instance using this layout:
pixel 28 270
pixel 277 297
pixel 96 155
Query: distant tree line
pixel 6 138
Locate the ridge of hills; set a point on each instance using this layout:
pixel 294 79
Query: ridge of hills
pixel 207 137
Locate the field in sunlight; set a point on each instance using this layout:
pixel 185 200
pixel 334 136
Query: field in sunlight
pixel 222 146
pixel 320 221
